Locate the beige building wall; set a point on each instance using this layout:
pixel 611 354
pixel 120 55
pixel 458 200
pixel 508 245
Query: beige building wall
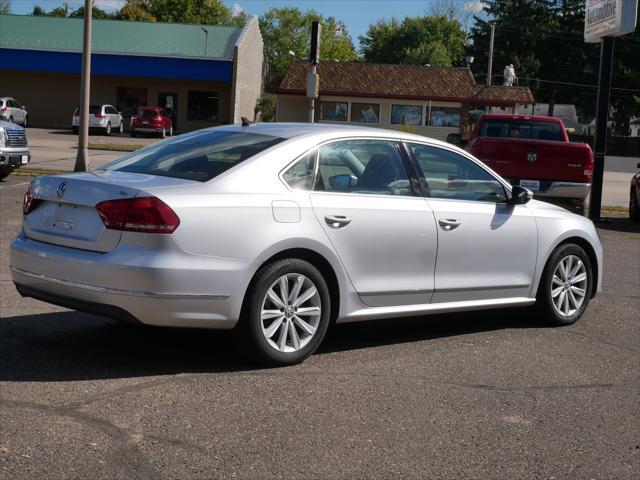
pixel 294 108
pixel 247 72
pixel 50 98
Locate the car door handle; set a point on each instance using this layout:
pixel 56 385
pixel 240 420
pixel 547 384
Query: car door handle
pixel 449 223
pixel 337 221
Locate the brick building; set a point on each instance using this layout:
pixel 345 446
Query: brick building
pixel 431 101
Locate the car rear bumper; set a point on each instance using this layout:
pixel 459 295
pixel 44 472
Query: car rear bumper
pixel 559 189
pixel 146 129
pixel 170 288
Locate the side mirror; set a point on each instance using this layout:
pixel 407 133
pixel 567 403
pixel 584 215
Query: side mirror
pixel 520 195
pixel 23 107
pixel 343 182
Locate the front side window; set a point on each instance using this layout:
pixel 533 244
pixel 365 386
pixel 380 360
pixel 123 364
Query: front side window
pixel 362 166
pixel 445 117
pixel 452 176
pixel 202 106
pixel 406 114
pixel 365 112
pixel 197 156
pixel 333 111
pixel 300 175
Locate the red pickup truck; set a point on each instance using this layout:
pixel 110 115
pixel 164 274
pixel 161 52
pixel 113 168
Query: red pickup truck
pixel 535 153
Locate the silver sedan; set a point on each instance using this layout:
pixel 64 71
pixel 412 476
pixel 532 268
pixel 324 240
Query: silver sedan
pixel 276 230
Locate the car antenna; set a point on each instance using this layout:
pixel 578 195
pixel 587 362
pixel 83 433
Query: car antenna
pixel 246 122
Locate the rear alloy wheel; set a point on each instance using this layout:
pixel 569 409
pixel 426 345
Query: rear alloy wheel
pixel 634 208
pixel 163 133
pixel 26 121
pixel 121 128
pixel 171 130
pixel 287 312
pixel 107 131
pixel 565 286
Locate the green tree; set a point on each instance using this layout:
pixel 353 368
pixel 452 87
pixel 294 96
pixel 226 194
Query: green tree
pixel 96 13
pixel 205 12
pixel 544 40
pixel 434 40
pixel 289 29
pixel 5 7
pixel 134 13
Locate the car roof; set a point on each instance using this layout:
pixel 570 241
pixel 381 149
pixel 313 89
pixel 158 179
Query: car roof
pixel 298 130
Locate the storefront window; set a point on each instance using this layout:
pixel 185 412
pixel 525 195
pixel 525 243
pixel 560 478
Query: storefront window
pixel 128 99
pixel 406 114
pixel 202 106
pixel 334 111
pixel 365 112
pixel 445 117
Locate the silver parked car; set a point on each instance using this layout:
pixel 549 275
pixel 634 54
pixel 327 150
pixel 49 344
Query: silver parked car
pixel 101 117
pixel 279 229
pixel 13 112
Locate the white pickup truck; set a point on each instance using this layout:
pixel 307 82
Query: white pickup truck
pixel 14 148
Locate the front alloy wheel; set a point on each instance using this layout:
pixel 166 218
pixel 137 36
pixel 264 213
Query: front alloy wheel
pixel 569 286
pixel 565 286
pixel 286 313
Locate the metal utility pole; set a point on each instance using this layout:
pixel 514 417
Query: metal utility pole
pixel 82 157
pixel 313 79
pixel 490 69
pixel 602 119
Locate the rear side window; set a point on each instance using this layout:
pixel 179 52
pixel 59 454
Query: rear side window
pixel 95 109
pixel 521 129
pixel 199 157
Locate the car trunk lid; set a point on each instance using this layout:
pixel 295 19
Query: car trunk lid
pixel 66 215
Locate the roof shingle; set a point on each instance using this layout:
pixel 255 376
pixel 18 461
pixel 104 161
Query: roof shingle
pixel 398 81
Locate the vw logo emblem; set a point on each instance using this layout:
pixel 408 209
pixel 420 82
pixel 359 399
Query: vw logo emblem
pixel 532 157
pixel 62 188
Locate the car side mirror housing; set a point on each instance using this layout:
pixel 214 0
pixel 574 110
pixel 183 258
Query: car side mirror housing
pixel 520 195
pixel 343 182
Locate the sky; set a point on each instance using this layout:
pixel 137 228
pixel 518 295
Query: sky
pixel 356 14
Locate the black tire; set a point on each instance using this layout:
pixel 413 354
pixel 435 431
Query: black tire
pixel 249 332
pixel 162 133
pixel 634 208
pixel 544 299
pixel 10 119
pixel 4 175
pixel 76 130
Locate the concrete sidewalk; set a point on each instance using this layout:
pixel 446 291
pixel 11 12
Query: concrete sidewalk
pixel 56 149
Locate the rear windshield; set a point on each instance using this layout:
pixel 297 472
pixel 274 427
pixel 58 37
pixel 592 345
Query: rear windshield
pixel 146 113
pixel 200 156
pixel 95 109
pixel 523 129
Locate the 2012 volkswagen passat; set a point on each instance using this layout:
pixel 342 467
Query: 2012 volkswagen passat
pixel 278 229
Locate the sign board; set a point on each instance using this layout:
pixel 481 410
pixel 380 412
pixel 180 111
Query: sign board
pixel 314 55
pixel 609 18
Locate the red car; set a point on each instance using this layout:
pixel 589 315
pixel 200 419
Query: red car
pixel 151 120
pixel 535 152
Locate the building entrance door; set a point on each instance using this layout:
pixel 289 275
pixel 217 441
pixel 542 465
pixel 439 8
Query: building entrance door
pixel 169 101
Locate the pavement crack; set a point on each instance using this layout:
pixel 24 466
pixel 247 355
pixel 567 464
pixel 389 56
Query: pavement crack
pixel 126 454
pixel 604 342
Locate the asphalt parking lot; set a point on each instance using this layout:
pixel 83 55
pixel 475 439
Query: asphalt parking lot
pixel 485 395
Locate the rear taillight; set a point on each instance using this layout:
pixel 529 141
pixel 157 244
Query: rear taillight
pixel 141 214
pixel 29 202
pixel 3 109
pixel 98 115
